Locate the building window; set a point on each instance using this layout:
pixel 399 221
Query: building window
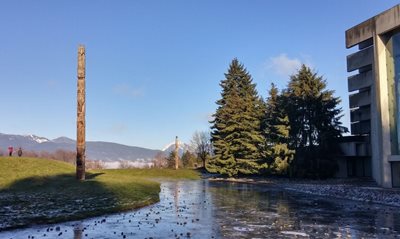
pixel 393 73
pixel 396 174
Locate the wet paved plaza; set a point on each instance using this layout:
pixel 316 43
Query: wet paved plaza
pixel 202 209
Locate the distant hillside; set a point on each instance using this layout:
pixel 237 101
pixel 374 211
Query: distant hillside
pixel 104 151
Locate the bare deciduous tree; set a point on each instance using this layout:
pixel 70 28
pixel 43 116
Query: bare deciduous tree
pixel 94 164
pixel 59 155
pixel 31 154
pixel 201 144
pixel 160 160
pixel 124 164
pixel 45 155
pixel 65 156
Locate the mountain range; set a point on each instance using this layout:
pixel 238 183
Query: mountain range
pixel 108 152
pixel 95 150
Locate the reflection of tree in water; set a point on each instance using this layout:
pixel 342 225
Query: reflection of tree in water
pixel 78 230
pixel 177 189
pixel 191 206
pixel 198 196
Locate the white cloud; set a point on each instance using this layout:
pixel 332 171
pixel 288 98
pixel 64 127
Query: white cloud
pixel 118 128
pixel 51 84
pixel 285 66
pixel 128 91
pixel 205 117
pixel 208 117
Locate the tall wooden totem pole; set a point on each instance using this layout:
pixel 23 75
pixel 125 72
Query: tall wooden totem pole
pixel 80 123
pixel 176 153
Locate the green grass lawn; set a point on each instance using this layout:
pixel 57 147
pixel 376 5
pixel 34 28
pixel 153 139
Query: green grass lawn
pixel 46 191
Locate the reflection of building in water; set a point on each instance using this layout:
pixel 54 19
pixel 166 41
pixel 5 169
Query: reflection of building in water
pixel 389 221
pixel 374 87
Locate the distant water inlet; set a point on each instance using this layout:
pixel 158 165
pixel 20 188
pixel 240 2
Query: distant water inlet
pixel 202 209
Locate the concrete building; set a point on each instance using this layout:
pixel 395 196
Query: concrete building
pixel 355 160
pixel 374 86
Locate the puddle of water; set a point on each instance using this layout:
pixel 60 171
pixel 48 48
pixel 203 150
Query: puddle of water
pixel 202 209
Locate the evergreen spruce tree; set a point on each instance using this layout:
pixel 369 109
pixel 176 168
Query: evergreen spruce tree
pixel 171 159
pixel 236 135
pixel 276 133
pixel 314 119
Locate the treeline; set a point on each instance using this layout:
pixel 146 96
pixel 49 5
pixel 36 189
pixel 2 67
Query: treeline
pixel 60 155
pixel 200 151
pixel 187 160
pixel 292 132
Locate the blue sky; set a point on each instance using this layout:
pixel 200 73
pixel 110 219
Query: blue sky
pixel 154 67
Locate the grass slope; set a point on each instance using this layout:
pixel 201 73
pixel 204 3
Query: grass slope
pixel 45 191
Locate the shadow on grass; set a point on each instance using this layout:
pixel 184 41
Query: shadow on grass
pixel 92 175
pixel 51 199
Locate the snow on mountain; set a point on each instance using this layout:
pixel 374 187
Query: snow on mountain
pixel 172 145
pixel 38 139
pixel 182 147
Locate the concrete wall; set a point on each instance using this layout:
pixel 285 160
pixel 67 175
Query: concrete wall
pixel 360 59
pixel 381 135
pixel 374 85
pixel 360 81
pixel 342 165
pixel 380 24
pixel 361 113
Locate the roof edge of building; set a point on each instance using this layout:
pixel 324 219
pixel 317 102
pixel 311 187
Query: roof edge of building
pixel 379 24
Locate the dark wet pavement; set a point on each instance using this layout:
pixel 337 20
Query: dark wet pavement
pixel 202 209
pixel 251 211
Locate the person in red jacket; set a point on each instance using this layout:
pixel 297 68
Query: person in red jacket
pixel 10 151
